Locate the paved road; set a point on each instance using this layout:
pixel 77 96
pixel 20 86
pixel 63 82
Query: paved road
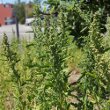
pixel 10 30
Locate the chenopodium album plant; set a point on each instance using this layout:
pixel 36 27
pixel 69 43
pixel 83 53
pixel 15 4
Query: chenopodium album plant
pixel 94 85
pixel 52 42
pixel 13 78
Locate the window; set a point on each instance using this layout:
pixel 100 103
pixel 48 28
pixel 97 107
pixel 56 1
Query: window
pixel 7 5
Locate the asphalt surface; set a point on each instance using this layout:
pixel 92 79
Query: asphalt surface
pixel 10 31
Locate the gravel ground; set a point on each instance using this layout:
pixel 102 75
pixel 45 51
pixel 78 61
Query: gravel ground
pixel 10 30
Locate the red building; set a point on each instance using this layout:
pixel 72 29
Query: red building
pixel 6 14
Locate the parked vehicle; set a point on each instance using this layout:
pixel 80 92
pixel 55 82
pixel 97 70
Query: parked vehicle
pixel 29 21
pixel 9 21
